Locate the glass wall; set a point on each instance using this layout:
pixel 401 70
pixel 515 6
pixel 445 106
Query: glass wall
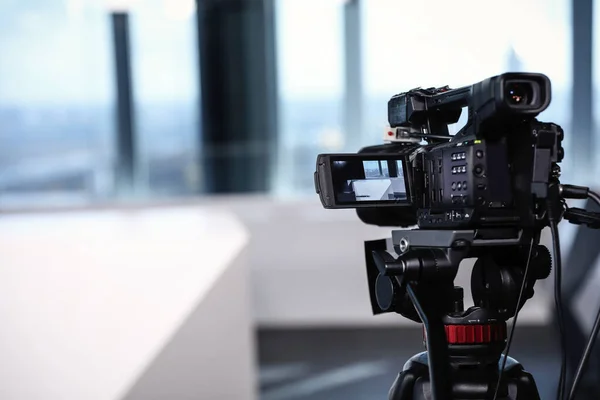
pixel 56 99
pixel 309 36
pixel 406 45
pixel 165 86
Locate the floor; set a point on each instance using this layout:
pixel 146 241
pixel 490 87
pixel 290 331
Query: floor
pixel 361 364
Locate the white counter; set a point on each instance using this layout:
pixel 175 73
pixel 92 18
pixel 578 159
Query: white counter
pixel 104 305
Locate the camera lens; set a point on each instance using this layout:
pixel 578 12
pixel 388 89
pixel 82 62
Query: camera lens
pixel 518 93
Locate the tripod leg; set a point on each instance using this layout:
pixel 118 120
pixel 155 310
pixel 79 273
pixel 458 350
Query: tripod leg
pixel 527 389
pixel 404 385
pixel 402 389
pixel 517 377
pixel 412 382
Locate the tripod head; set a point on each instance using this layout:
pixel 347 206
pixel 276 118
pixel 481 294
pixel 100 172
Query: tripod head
pixel 413 275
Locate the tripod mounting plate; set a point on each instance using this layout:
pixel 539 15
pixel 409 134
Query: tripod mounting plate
pixel 403 239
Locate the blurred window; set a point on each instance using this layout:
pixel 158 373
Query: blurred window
pixel 57 125
pixel 165 89
pixel 309 36
pixel 56 99
pixel 406 45
pixel 372 169
pixel 437 43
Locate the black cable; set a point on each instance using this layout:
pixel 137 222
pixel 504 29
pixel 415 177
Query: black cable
pixel 592 339
pixel 594 196
pixel 560 394
pixel 554 205
pixel 512 328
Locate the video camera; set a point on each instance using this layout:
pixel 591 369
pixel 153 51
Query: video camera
pixel 485 193
pixel 494 173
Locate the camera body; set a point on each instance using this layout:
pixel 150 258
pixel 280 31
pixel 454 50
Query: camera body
pixel 494 173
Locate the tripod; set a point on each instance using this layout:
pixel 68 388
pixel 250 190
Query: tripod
pixel 464 347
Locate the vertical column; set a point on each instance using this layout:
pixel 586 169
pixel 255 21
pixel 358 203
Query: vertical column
pixel 125 168
pixel 583 83
pixel 238 94
pixel 353 96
